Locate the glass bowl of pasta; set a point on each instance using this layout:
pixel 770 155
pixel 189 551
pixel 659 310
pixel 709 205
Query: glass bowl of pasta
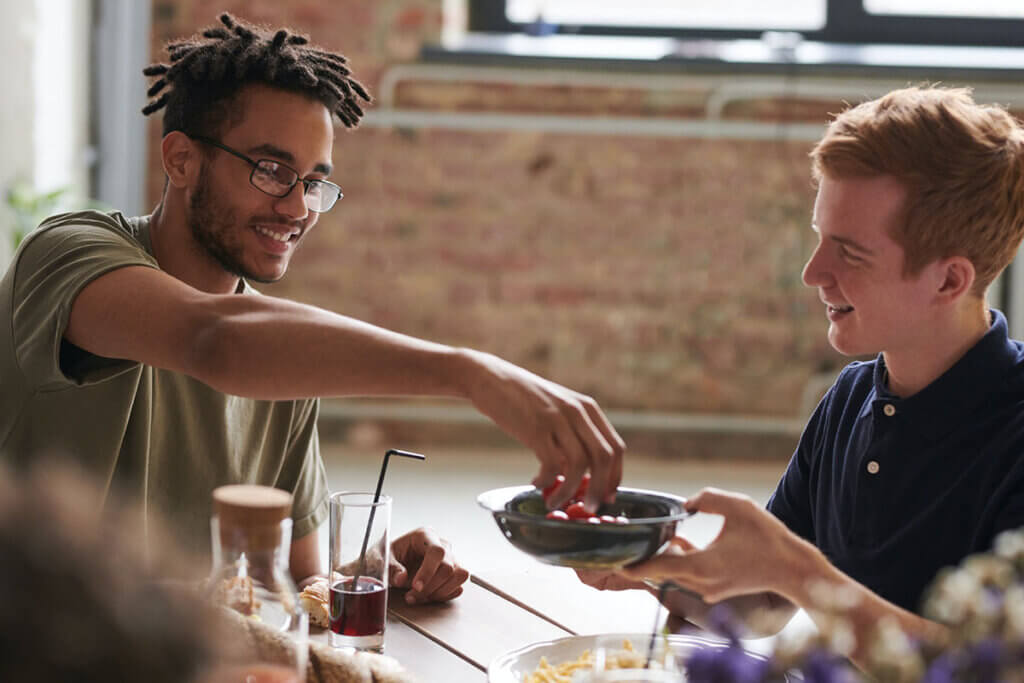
pixel 575 659
pixel 645 521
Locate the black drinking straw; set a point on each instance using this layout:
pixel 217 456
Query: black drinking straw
pixel 657 618
pixel 373 510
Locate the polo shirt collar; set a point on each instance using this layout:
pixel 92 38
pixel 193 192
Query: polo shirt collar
pixel 944 404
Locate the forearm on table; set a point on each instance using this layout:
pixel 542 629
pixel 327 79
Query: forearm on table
pixel 304 559
pixel 269 348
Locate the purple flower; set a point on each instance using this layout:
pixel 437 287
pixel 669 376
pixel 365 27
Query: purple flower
pixel 729 664
pixel 820 666
pixel 941 670
pixel 985 660
pixel 722 621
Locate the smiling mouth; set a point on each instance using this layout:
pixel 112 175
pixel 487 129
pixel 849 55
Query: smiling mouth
pixel 839 309
pixel 279 236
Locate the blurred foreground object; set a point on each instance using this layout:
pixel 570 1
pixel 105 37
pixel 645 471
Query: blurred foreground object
pixel 79 601
pixel 251 538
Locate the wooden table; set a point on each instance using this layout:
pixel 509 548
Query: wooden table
pixel 501 610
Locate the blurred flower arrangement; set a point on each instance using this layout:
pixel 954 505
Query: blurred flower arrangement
pixel 981 602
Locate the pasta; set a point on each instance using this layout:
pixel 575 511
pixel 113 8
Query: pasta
pixel 627 658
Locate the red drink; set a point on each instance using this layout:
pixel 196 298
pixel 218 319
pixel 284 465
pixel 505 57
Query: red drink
pixel 358 610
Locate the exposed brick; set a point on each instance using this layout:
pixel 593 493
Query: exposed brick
pixel 653 273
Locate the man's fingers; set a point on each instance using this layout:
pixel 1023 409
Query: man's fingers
pixel 682 543
pixel 551 466
pixel 433 572
pixel 449 588
pixel 716 501
pixel 565 441
pixel 592 448
pixel 397 575
pixel 454 593
pixel 614 442
pixel 444 585
pixel 667 566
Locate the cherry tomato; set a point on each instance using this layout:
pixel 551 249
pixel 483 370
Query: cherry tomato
pixel 577 511
pixel 608 519
pixel 550 488
pixel 593 520
pixel 560 515
pixel 581 492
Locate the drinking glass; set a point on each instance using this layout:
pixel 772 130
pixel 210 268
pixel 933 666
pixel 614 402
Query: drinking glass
pixel 360 546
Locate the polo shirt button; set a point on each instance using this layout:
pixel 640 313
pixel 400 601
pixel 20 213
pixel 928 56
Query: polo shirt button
pixel 873 467
pixel 889 409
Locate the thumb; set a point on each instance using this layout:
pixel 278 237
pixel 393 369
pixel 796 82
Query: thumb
pixel 714 501
pixel 399 575
pixel 680 543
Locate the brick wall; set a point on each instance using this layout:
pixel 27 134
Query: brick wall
pixel 657 273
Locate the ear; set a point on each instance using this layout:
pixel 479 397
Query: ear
pixel 182 159
pixel 956 277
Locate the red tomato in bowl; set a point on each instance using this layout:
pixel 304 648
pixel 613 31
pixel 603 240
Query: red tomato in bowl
pixel 581 492
pixel 577 511
pixel 550 488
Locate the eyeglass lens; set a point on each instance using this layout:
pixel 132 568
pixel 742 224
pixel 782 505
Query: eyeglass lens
pixel 278 180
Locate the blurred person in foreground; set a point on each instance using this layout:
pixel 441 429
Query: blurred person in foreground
pixel 138 344
pixel 79 600
pixel 911 461
pixel 82 601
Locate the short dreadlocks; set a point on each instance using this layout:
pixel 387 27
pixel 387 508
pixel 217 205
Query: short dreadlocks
pixel 208 70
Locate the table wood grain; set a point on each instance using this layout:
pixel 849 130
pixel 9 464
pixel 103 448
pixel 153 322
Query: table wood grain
pixel 503 610
pixel 479 625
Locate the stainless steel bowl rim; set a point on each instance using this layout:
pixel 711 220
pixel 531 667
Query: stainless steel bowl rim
pixel 507 493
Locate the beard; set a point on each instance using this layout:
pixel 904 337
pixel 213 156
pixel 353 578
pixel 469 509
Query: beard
pixel 216 230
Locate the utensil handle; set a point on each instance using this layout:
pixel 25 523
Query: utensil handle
pixel 672 586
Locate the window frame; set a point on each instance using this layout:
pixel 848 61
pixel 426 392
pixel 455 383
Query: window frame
pixel 846 21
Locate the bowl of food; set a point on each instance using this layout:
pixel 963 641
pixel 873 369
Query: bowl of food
pixel 576 658
pixel 633 528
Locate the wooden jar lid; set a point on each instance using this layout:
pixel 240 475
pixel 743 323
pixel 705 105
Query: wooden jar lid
pixel 248 507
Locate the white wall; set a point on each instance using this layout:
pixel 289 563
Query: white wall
pixel 44 114
pixel 18 107
pixel 61 71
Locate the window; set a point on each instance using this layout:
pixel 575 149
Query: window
pixel 696 14
pixel 995 9
pixel 926 22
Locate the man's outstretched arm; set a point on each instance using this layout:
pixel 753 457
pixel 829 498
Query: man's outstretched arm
pixel 269 348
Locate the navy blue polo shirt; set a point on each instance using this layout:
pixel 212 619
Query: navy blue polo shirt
pixel 892 490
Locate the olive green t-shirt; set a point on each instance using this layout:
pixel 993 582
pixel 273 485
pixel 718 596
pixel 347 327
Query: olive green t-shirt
pixel 160 436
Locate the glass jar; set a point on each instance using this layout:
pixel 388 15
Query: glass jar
pixel 251 539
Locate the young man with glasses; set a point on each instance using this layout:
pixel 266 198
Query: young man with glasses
pixel 139 348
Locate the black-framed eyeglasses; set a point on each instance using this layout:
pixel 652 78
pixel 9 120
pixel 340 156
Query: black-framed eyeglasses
pixel 277 179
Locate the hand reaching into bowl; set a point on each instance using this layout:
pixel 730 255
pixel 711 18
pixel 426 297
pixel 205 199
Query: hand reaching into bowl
pixel 575 509
pixel 567 430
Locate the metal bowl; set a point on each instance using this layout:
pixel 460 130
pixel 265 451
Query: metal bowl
pixel 520 514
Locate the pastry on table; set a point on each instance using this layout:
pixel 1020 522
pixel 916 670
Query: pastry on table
pixel 325 664
pixel 315 599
